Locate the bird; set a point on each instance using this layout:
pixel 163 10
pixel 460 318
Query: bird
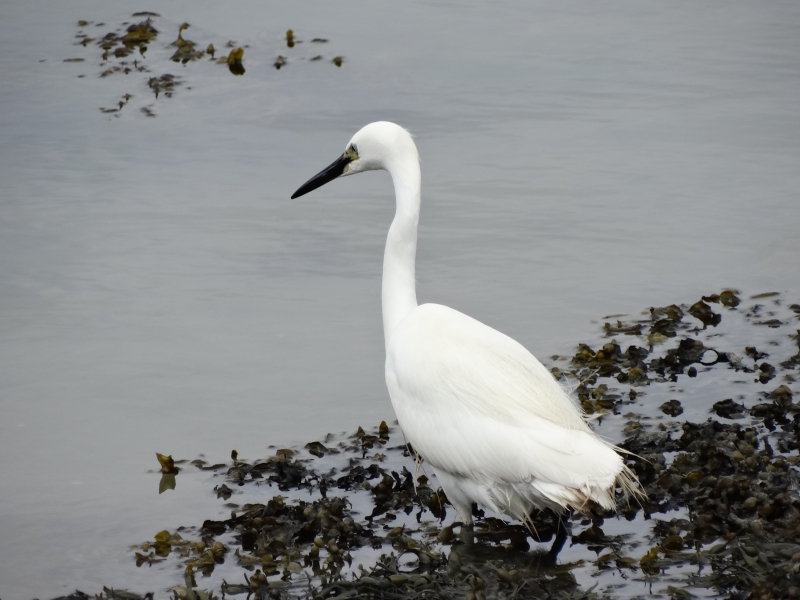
pixel 494 423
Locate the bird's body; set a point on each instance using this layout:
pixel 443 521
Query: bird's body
pixel 494 423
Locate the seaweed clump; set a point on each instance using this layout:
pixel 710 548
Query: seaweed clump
pixel 131 48
pixel 368 529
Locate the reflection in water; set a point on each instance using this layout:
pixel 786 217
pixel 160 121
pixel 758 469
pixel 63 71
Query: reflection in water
pixel 168 472
pixel 167 482
pixel 536 571
pixel 235 61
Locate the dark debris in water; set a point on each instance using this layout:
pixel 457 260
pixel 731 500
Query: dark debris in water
pixel 164 84
pixel 358 517
pixel 135 48
pixel 234 61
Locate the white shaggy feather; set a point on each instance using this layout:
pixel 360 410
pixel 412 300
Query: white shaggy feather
pixel 480 408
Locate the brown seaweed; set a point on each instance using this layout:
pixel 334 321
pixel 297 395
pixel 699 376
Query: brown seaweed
pixel 357 516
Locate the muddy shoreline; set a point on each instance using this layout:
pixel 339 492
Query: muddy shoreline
pixel 355 516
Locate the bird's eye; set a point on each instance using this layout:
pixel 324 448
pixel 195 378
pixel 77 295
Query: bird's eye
pixel 351 152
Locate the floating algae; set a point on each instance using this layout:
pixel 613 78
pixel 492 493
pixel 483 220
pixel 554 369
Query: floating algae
pixel 357 516
pixel 166 83
pixel 185 48
pixel 168 472
pixel 137 36
pixel 234 61
pixel 134 48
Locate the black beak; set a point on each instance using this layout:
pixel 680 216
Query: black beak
pixel 327 174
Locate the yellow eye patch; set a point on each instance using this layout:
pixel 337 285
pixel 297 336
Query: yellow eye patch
pixel 351 152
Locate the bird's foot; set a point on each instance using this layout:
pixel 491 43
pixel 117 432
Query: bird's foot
pixel 562 533
pixel 466 535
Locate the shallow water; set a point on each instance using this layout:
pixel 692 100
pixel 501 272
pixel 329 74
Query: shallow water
pixel 159 292
pixel 611 555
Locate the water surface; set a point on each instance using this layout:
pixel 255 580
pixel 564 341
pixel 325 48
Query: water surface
pixel 160 292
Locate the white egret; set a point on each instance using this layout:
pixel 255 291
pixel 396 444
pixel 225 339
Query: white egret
pixel 491 419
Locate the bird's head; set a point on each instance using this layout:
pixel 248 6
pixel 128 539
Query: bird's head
pixel 376 146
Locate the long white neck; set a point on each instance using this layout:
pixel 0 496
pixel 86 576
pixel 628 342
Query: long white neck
pixel 399 293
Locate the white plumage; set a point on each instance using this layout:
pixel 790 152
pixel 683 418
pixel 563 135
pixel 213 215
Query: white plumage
pixel 474 403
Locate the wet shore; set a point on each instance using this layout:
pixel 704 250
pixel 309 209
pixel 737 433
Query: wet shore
pixel 701 395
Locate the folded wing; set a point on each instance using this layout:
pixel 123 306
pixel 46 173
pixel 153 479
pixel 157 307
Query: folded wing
pixel 475 403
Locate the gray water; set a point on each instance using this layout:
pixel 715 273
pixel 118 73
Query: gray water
pixel 160 292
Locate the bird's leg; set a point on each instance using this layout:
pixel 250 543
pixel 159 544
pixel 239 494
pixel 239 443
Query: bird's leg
pixel 417 468
pixel 561 536
pixel 417 462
